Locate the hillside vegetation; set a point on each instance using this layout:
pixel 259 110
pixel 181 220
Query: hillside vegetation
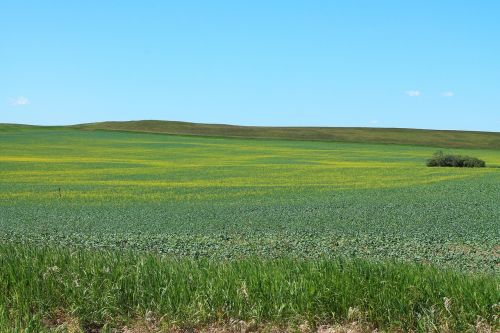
pixel 406 136
pixel 437 138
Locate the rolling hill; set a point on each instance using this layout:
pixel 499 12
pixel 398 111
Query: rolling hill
pixel 407 136
pixel 440 138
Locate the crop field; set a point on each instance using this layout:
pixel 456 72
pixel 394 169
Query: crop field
pixel 281 218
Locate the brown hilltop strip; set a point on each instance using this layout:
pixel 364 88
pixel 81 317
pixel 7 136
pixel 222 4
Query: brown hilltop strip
pixel 437 138
pixel 405 136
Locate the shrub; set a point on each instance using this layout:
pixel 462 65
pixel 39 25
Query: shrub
pixel 441 160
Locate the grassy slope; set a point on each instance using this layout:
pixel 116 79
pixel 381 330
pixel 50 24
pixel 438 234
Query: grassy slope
pixel 437 138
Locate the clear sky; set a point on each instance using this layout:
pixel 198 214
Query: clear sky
pixel 392 63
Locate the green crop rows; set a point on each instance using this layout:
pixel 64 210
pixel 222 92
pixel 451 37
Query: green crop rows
pixel 227 198
pixel 198 201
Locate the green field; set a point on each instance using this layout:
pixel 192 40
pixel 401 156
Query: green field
pixel 227 205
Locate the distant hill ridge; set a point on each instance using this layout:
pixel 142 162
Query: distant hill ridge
pixel 438 138
pixel 441 138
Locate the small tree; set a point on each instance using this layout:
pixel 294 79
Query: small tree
pixel 446 160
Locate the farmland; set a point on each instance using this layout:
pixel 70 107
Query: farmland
pixel 251 210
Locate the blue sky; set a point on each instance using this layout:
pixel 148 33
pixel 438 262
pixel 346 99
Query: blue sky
pixel 394 63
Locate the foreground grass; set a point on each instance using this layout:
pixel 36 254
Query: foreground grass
pixel 99 290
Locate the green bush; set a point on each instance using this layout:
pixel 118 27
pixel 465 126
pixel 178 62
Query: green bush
pixel 441 160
